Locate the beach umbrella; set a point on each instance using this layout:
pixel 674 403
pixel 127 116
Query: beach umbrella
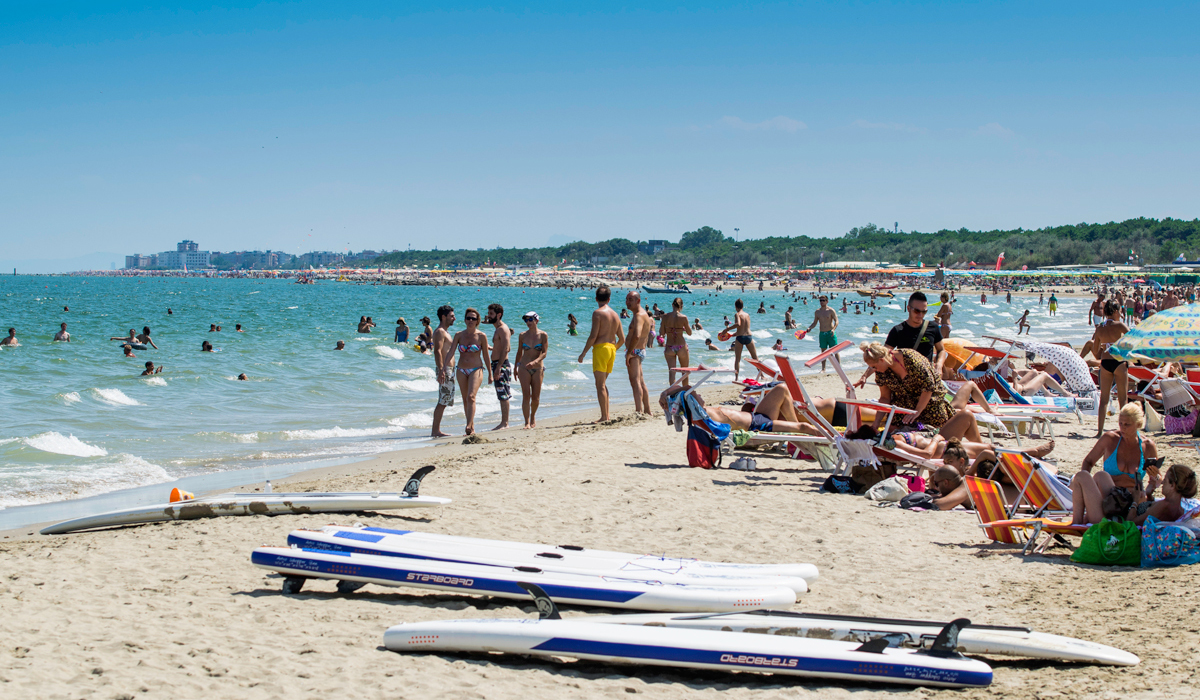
pixel 1167 336
pixel 1075 372
pixel 1139 281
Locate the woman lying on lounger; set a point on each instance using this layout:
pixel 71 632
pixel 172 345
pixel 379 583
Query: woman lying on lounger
pixel 773 414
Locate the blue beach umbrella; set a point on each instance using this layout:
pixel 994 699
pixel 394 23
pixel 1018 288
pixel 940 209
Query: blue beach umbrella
pixel 1167 336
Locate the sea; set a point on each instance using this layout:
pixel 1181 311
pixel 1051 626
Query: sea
pixel 77 419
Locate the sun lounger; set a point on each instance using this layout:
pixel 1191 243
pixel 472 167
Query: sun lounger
pixel 1052 529
pixel 988 501
pixel 799 395
pixel 900 458
pixel 1044 494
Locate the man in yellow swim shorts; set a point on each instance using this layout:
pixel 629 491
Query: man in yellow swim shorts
pixel 606 336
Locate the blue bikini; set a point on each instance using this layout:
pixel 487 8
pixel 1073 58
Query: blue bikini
pixel 1110 462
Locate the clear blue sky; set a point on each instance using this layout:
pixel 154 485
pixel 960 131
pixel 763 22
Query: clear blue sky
pixel 298 126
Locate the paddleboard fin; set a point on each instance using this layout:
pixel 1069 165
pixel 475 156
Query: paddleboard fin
pixel 547 610
pixel 946 643
pixel 293 584
pixel 875 646
pixel 413 487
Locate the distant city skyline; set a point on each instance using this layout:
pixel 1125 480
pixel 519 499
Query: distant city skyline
pixel 302 126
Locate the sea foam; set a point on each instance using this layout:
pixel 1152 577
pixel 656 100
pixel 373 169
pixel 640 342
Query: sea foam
pixel 64 445
pixel 114 397
pixel 388 351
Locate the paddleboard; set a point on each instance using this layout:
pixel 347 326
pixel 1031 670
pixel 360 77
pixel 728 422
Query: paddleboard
pixel 257 504
pixel 690 648
pixel 355 540
pixel 918 634
pixel 428 545
pixel 297 565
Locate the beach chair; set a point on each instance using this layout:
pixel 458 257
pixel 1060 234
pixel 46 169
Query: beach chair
pixel 1040 490
pixel 1054 531
pixel 901 459
pixel 799 395
pixel 988 501
pixel 1153 380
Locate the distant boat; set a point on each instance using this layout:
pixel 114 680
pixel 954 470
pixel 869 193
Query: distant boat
pixel 665 290
pixel 877 293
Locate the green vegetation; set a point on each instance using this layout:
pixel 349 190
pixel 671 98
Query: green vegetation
pixel 1151 240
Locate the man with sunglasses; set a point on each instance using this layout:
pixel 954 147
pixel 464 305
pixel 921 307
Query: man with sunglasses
pixel 917 332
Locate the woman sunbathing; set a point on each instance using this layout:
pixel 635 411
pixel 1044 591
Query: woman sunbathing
pixel 1123 455
pixel 773 414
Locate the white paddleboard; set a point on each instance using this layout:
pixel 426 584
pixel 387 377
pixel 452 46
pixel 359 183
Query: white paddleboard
pixel 257 504
pixel 918 634
pixel 577 589
pixel 571 557
pixel 690 648
pixel 362 541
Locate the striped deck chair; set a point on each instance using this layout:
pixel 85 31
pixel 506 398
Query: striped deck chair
pixel 1039 489
pixel 988 501
pixel 1054 530
pixel 800 396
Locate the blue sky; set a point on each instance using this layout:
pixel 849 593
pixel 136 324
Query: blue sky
pixel 299 126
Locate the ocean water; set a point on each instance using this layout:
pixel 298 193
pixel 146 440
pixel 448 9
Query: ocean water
pixel 77 419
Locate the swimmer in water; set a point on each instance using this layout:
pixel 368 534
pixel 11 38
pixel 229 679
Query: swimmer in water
pixel 875 327
pixel 341 345
pixel 66 308
pixel 238 328
pixel 11 340
pixel 206 346
pixel 170 312
pixel 144 338
pixel 151 369
pixel 218 329
pixel 243 378
pixel 131 338
pixel 212 328
pixel 128 350
pixel 62 335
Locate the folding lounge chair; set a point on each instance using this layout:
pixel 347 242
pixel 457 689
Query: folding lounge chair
pixel 1041 490
pixel 988 501
pixel 851 452
pixel 800 395
pixel 1153 380
pixel 900 457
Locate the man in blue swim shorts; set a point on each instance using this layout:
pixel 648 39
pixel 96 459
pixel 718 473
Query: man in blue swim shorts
pixel 828 319
pixel 741 324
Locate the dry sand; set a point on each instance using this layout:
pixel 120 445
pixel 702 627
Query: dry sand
pixel 177 611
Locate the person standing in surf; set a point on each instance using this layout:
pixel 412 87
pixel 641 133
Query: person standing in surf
pixel 640 327
pixel 443 359
pixel 401 331
pixel 530 364
pixel 742 337
pixel 673 327
pixel 501 369
pixel 1053 305
pixel 603 340
pixel 943 315
pixel 828 319
pixel 473 352
pixel 62 335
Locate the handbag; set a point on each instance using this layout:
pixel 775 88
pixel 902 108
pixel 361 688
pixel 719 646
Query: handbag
pixel 703 450
pixel 891 489
pixel 1168 544
pixel 1110 543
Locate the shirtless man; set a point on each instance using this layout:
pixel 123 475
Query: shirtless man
pixel 640 327
pixel 774 412
pixel 151 369
pixel 1096 310
pixel 788 322
pixel 673 327
pixel 742 338
pixel 606 336
pixel 501 368
pixel 131 338
pixel 62 335
pixel 828 319
pixel 443 359
pixel 11 340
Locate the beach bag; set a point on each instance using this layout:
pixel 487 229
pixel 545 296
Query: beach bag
pixel 1168 544
pixel 703 450
pixel 917 500
pixel 916 484
pixel 840 484
pixel 1110 543
pixel 891 489
pixel 1180 426
pixel 866 476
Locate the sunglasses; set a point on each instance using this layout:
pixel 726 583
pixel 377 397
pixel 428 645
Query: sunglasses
pixel 472 318
pixel 920 312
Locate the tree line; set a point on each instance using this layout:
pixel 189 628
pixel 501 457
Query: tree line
pixel 1141 241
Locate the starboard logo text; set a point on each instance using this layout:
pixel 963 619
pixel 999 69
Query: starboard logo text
pixel 758 660
pixel 445 580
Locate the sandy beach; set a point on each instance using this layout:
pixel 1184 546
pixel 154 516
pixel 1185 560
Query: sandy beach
pixel 176 610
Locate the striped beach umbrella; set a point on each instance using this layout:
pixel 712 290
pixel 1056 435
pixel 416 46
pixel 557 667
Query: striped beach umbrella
pixel 1167 336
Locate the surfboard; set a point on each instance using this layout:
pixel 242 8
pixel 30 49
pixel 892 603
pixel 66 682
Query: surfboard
pixel 257 504
pixel 918 634
pixel 429 545
pixel 352 540
pixel 355 569
pixel 690 648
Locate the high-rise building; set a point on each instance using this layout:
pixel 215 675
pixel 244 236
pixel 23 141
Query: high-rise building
pixel 187 247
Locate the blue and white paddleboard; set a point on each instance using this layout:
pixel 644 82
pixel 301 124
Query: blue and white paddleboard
pixel 424 545
pixel 917 634
pixel 355 569
pixel 690 648
pixel 372 541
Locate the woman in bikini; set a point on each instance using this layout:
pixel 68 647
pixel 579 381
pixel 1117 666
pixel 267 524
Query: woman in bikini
pixel 1112 370
pixel 530 363
pixel 1123 455
pixel 673 327
pixel 472 345
pixel 943 315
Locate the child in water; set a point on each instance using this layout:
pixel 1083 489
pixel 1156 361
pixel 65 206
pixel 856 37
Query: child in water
pixel 875 327
pixel 1023 323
